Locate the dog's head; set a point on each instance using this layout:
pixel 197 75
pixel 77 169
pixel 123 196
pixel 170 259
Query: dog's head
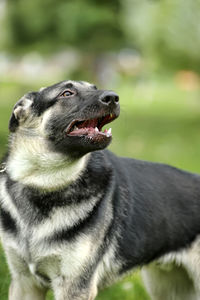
pixel 70 115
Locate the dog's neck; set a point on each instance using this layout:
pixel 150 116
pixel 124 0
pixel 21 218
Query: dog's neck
pixel 32 163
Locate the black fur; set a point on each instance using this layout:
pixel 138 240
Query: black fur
pixel 7 222
pixel 156 209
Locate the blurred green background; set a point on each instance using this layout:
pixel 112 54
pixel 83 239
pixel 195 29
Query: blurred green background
pixel 145 50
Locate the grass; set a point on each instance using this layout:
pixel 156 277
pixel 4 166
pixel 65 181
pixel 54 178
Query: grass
pixel 158 122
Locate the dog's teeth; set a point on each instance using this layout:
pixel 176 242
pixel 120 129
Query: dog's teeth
pixel 75 128
pixel 108 133
pixel 96 129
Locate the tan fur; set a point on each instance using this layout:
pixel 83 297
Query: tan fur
pixel 23 289
pixel 177 272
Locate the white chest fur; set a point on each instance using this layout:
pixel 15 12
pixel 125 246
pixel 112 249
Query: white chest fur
pixel 30 252
pixel 67 259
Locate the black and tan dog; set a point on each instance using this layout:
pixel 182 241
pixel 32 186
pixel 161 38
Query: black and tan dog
pixel 74 219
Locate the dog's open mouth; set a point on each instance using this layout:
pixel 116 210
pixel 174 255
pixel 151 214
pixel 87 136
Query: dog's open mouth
pixel 91 128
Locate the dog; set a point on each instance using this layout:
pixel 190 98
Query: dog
pixel 75 218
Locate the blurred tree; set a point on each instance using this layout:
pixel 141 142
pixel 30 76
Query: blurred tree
pixel 51 24
pixel 168 30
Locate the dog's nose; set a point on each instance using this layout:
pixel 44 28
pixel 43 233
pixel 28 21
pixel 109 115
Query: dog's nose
pixel 109 98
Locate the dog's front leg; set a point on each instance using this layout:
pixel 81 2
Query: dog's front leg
pixel 23 288
pixel 66 290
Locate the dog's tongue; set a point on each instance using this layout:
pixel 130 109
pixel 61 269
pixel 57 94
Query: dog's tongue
pixel 85 128
pixel 89 128
pixel 83 131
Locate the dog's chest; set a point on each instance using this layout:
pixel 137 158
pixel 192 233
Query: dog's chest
pixel 41 249
pixel 51 236
pixel 46 262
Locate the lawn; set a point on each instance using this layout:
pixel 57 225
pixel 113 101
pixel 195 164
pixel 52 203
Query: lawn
pixel 158 122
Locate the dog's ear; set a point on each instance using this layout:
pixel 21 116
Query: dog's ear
pixel 21 111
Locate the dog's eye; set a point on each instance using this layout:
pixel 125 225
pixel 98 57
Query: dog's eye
pixel 67 93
